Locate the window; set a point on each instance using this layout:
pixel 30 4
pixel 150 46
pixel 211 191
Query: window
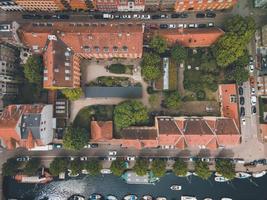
pixel 106 49
pixel 96 48
pixel 86 48
pixel 125 48
pixel 115 49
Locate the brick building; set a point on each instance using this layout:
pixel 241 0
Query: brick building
pixel 64 44
pixel 119 5
pixel 41 5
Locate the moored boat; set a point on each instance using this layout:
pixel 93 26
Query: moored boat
pixel 161 198
pixel 221 179
pixel 207 198
pixel 111 197
pixel 95 197
pixel 226 198
pixel 258 174
pixel 188 198
pixel 242 175
pixel 218 174
pixel 76 197
pixel 187 174
pixel 147 197
pixel 130 197
pixel 105 171
pixel 195 174
pixel 176 187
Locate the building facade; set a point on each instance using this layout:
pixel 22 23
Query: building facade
pixel 119 5
pixel 9 67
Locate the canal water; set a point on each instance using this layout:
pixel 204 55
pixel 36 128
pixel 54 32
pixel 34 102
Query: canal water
pixel 238 189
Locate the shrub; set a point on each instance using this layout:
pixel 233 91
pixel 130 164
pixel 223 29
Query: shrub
pixel 201 95
pixel 117 68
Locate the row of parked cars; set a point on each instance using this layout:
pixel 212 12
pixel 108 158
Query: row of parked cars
pixel 171 26
pixel 37 16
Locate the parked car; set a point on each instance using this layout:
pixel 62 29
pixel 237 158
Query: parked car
pixel 136 16
pixel 242 100
pixel 180 26
pixel 251 68
pixel 243 121
pixel 252 81
pixel 72 158
pixel 253 110
pixel 23 159
pixel 145 16
pixel 202 26
pixel 32 16
pixel 176 15
pixel 164 16
pixel 253 91
pixel 253 100
pixel 111 158
pixel 200 15
pixel 251 60
pixel 47 16
pixel 191 25
pixel 130 158
pixel 238 161
pixel 163 26
pixel 184 15
pixel 185 25
pixel 61 16
pixel 112 153
pixel 210 24
pixel 94 145
pixel 83 158
pixel 155 16
pixel 172 25
pixel 205 159
pixel 126 17
pixel 210 14
pixel 242 111
pixel 98 16
pixel 240 91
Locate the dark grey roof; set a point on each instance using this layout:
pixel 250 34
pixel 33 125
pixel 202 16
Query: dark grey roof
pixel 30 122
pixel 123 92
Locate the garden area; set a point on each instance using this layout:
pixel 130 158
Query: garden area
pixel 113 81
pixel 119 68
pixel 263 109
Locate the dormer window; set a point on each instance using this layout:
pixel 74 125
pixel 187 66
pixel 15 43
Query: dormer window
pixel 106 49
pixel 125 48
pixel 86 48
pixel 115 49
pixel 96 48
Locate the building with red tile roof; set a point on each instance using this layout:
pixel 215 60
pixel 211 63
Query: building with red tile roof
pixel 27 126
pixel 196 37
pixel 101 130
pixel 64 44
pixel 119 5
pixel 41 5
pixel 229 102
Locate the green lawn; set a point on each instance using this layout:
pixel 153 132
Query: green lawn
pixel 263 108
pixel 173 79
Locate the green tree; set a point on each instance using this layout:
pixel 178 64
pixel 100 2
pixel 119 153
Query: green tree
pixel 58 165
pixel 151 73
pixel 10 167
pixel 32 166
pixel 72 93
pixel 202 169
pixel 226 168
pixel 117 167
pixel 75 166
pixel 93 167
pixel 180 168
pixel 150 59
pixel 33 69
pixel 158 43
pixel 141 166
pixel 172 100
pixel 75 138
pixel 178 53
pixel 130 113
pixel 158 167
pixel 238 74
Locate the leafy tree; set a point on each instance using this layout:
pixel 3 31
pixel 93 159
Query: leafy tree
pixel 239 74
pixel 75 138
pixel 10 167
pixel 226 168
pixel 130 113
pixel 33 69
pixel 72 93
pixel 117 167
pixel 201 95
pixel 141 166
pixel 93 167
pixel 180 168
pixel 158 167
pixel 150 59
pixel 32 166
pixel 172 100
pixel 151 72
pixel 202 169
pixel 58 165
pixel 159 44
pixel 75 166
pixel 209 66
pixel 178 53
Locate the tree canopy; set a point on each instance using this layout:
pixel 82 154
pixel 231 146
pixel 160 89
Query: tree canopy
pixel 130 113
pixel 158 44
pixel 180 168
pixel 33 69
pixel 93 167
pixel 172 100
pixel 150 59
pixel 141 166
pixel 158 167
pixel 238 74
pixel 151 66
pixel 75 166
pixel 58 165
pixel 72 93
pixel 202 169
pixel 75 138
pixel 151 73
pixel 10 167
pixel 226 168
pixel 32 166
pixel 178 53
pixel 117 167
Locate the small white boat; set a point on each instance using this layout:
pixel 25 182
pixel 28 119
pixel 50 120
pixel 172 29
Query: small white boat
pixel 76 197
pixel 188 198
pixel 221 179
pixel 195 174
pixel 147 197
pixel 130 197
pixel 187 174
pixel 105 171
pixel 161 198
pixel 176 187
pixel 258 174
pixel 225 198
pixel 111 197
pixel 95 197
pixel 218 174
pixel 208 198
pixel 242 175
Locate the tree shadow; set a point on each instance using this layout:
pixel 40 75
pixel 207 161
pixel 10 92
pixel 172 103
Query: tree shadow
pixel 204 153
pixel 184 153
pixel 226 153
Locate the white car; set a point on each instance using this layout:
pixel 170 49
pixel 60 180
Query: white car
pixel 253 100
pixel 196 25
pixel 253 91
pixel 145 17
pixel 83 158
pixel 244 121
pixel 191 25
pixel 112 153
pixel 172 25
pixel 111 158
pixel 180 25
pixel 72 158
pixel 23 159
pixel 251 68
pixel 211 24
pixel 205 159
pixel 136 16
pixel 130 158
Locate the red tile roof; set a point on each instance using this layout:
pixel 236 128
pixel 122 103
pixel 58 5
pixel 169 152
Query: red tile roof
pixel 197 37
pixel 167 126
pixel 101 130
